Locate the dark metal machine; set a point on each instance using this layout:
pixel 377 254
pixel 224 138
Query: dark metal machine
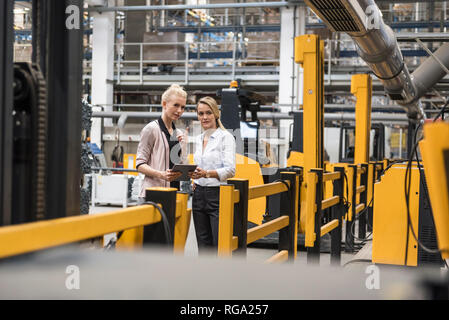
pixel 40 116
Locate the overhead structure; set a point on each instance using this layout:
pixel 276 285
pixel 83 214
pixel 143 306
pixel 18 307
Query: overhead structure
pixel 377 46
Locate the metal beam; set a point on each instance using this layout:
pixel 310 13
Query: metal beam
pixel 274 4
pixel 376 117
pixel 6 103
pixel 220 29
pixel 397 25
pixel 423 36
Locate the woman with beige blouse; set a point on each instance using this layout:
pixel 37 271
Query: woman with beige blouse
pixel 162 145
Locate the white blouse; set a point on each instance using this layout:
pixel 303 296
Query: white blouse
pixel 218 155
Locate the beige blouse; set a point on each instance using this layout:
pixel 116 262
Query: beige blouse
pixel 154 151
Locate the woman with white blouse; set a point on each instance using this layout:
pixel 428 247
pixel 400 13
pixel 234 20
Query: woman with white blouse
pixel 215 160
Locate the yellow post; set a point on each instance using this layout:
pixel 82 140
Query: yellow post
pixel 435 154
pixel 310 54
pixel 370 186
pixel 361 87
pixel 296 216
pixel 226 221
pixel 310 209
pixel 182 222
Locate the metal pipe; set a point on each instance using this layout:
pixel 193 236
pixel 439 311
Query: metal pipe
pixel 113 169
pixel 274 107
pixel 141 63
pixel 273 4
pixel 233 57
pixel 431 71
pixel 423 36
pixel 376 45
pixel 260 115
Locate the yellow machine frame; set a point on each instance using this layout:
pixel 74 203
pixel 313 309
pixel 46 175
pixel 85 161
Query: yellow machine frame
pixel 435 155
pixel 309 52
pixel 361 88
pixel 390 218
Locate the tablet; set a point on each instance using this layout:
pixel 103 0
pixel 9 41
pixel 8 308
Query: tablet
pixel 185 169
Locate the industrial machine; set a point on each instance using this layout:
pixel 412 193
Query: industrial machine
pixel 250 163
pixel 393 216
pixel 40 134
pixel 40 128
pixel 435 154
pixel 235 103
pixel 29 143
pixel 253 160
pixel 377 46
pixel 393 241
pixel 346 148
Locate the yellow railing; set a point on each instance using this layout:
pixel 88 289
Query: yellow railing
pixel 359 192
pixel 34 236
pixel 234 235
pixel 315 208
pixel 361 180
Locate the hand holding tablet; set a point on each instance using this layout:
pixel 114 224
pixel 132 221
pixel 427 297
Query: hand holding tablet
pixel 185 169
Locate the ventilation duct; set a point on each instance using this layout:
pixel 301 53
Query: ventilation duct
pixel 376 44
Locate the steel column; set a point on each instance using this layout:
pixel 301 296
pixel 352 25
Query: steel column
pixel 288 235
pixel 337 213
pixel 241 214
pixel 361 88
pixel 6 103
pixel 64 79
pixel 352 177
pixel 363 199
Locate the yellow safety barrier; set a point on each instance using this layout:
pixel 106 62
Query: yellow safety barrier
pixel 278 257
pixel 234 234
pixel 359 192
pixel 182 223
pixel 378 170
pixel 226 221
pixel 315 208
pixel 133 239
pixel 34 236
pixel 267 228
pixel 434 150
pixel 361 180
pixel 328 227
pixel 360 189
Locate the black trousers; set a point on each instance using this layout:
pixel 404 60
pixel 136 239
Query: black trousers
pixel 205 207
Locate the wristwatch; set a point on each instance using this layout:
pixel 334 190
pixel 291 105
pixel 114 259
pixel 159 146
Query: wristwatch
pixel 207 174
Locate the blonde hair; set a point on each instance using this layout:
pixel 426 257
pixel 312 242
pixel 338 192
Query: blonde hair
pixel 209 101
pixel 174 90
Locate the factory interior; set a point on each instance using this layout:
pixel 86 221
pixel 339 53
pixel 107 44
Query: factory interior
pixel 338 110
